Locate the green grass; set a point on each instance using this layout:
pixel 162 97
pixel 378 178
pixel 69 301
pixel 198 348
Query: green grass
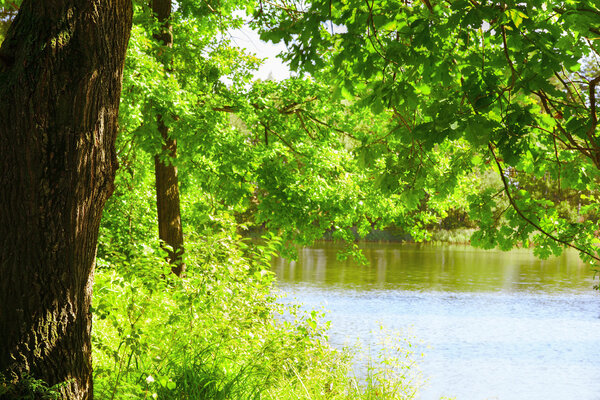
pixel 219 333
pixel 28 388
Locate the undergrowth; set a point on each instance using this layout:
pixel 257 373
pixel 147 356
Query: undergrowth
pixel 217 333
pixel 28 388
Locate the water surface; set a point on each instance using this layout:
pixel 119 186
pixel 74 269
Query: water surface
pixel 495 325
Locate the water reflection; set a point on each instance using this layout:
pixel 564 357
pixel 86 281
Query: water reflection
pixel 494 325
pixel 440 268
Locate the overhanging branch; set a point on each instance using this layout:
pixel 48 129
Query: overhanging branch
pixel 529 220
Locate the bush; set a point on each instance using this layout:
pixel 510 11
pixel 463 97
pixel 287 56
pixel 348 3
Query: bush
pixel 28 388
pixel 217 333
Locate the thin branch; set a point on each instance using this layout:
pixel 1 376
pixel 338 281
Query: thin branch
pixel 557 162
pixel 594 155
pixel 227 109
pixel 591 45
pixel 594 117
pixel 507 56
pixel 527 219
pixel 428 4
pixel 299 116
pixel 544 99
pixel 497 217
pixel 576 89
pixel 397 114
pixel 371 27
pixel 267 129
pixel 482 52
pixel 318 121
pixel 554 136
pixel 292 12
pixel 289 108
pixel 266 134
pixel 567 88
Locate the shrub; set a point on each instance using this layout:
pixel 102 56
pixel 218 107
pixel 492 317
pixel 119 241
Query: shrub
pixel 217 333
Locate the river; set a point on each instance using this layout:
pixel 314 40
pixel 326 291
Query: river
pixel 491 324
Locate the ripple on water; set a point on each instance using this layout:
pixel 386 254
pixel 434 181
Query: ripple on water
pixel 519 329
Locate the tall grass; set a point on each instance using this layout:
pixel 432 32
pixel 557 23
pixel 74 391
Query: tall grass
pixel 219 333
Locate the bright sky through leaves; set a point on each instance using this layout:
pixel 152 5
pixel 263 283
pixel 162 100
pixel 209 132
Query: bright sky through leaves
pixel 272 66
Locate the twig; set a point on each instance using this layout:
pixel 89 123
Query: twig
pixel 267 129
pixel 594 117
pixel 527 219
pixel 428 4
pixel 510 63
pixel 544 99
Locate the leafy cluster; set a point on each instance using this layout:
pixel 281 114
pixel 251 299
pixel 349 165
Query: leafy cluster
pixel 28 388
pixel 517 82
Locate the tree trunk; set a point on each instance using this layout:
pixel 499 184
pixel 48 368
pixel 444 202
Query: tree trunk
pixel 61 67
pixel 167 204
pixel 170 230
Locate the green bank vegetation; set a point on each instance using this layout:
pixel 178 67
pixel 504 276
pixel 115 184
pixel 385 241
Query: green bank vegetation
pixel 219 333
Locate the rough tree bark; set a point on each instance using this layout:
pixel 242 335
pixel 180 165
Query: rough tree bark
pixel 61 67
pixel 170 230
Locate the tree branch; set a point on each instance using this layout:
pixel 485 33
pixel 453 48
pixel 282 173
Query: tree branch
pixel 544 99
pixel 507 56
pixel 527 219
pixel 594 117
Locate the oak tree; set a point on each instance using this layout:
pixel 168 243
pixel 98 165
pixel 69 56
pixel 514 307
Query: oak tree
pixel 61 67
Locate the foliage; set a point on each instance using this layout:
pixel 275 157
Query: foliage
pixel 8 10
pixel 392 370
pixel 516 81
pixel 217 333
pixel 458 235
pixel 129 221
pixel 407 109
pixel 301 163
pixel 286 157
pixel 182 83
pixel 28 388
